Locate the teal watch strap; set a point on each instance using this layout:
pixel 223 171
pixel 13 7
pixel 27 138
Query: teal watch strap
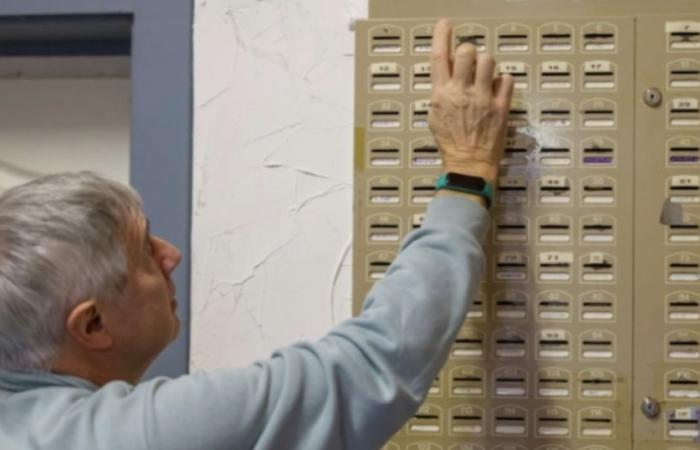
pixel 471 186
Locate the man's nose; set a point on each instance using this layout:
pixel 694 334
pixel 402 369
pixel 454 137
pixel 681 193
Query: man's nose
pixel 168 255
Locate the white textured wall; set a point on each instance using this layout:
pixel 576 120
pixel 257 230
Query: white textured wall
pixel 272 176
pixel 54 125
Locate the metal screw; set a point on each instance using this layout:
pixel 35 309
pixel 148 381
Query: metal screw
pixel 650 407
pixel 652 97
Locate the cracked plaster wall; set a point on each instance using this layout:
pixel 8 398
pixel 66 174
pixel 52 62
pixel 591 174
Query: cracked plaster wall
pixel 272 206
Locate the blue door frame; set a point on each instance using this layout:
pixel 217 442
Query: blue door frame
pixel 161 126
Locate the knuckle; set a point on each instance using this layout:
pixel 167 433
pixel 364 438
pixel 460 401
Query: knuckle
pixel 486 58
pixel 443 93
pixel 438 97
pixel 465 50
pixel 436 102
pixel 499 105
pixel 501 108
pixel 438 57
pixel 481 102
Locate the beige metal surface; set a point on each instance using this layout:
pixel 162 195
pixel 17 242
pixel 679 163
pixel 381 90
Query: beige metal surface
pixel 667 311
pixel 404 9
pixel 547 358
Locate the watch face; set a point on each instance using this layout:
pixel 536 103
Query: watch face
pixel 465 181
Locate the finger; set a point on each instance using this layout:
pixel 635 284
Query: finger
pixel 503 90
pixel 465 60
pixel 440 53
pixel 497 85
pixel 485 66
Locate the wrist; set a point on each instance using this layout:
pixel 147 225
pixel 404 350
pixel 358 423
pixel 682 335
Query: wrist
pixel 467 184
pixel 487 171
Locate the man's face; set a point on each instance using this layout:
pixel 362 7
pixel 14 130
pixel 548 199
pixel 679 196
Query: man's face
pixel 146 321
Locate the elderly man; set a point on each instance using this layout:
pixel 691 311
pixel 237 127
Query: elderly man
pixel 86 304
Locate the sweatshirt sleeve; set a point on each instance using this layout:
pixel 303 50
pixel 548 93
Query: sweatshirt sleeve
pixel 354 388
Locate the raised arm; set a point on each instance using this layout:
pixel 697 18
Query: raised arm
pixel 355 387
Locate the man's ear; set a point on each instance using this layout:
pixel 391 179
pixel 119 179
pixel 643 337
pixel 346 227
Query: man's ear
pixel 86 326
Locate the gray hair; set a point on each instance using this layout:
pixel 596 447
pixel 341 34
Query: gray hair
pixel 62 241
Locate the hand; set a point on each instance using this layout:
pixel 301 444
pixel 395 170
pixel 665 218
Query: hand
pixel 469 107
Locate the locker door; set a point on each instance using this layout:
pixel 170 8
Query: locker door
pixel 667 251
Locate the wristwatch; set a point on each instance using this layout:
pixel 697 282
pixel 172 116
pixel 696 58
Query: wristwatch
pixel 467 184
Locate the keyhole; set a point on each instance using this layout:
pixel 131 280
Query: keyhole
pixel 652 97
pixel 650 407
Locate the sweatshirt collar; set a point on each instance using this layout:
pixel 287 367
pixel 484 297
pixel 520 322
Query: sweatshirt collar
pixel 25 381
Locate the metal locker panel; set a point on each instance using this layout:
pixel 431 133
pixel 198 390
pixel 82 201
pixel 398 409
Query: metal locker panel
pixel 545 355
pixel 666 286
pixel 390 9
pixel 580 267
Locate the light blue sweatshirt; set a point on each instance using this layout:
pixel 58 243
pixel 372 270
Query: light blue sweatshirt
pixel 353 389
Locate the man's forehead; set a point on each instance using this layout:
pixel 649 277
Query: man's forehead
pixel 138 228
pixel 138 223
